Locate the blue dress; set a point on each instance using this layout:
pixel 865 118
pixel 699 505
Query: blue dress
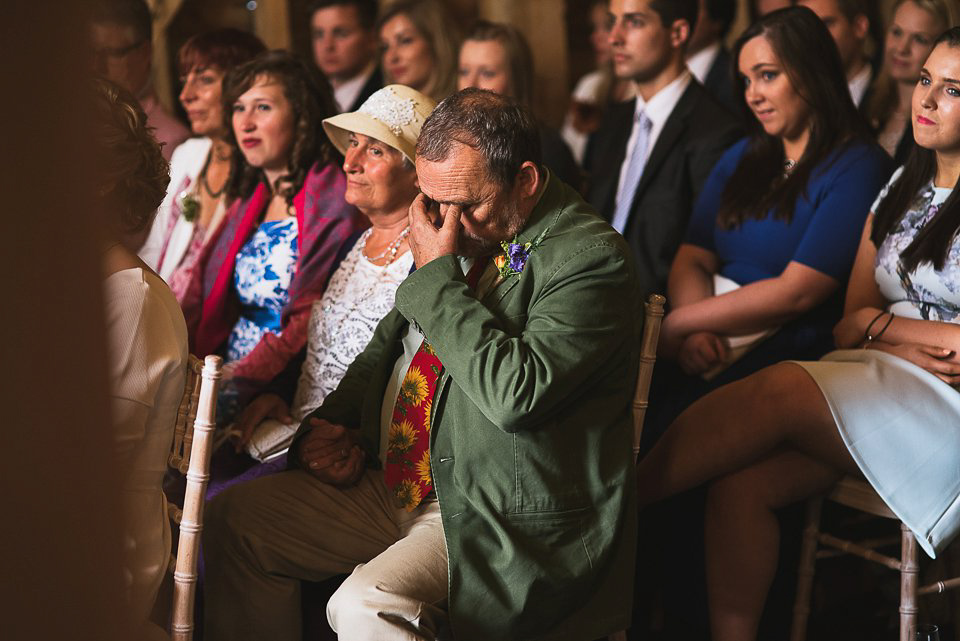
pixel 900 422
pixel 824 233
pixel 264 269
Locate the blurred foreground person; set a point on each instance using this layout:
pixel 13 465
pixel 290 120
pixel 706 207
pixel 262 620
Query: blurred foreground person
pixel 147 339
pixel 121 32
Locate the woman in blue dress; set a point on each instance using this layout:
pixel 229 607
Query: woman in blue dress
pixel 888 411
pixel 775 230
pixel 759 277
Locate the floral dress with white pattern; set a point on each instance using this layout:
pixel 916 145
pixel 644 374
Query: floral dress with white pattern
pixel 264 269
pixel 901 423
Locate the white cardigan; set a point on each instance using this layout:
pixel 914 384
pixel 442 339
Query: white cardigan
pixel 186 164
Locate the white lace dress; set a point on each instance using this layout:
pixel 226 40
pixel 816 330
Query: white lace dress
pixel 342 322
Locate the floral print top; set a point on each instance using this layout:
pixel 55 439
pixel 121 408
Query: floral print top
pixel 264 269
pixel 925 293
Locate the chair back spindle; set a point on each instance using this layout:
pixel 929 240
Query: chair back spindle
pixel 652 318
pixel 186 414
pixel 190 454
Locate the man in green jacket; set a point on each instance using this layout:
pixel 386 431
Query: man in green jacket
pixel 473 470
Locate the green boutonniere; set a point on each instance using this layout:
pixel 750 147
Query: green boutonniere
pixel 189 206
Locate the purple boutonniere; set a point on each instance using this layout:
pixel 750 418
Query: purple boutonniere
pixel 515 254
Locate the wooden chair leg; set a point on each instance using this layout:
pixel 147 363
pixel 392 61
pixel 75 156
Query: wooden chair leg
pixel 808 558
pixel 909 568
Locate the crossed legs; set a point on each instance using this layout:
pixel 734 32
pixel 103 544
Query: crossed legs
pixel 766 441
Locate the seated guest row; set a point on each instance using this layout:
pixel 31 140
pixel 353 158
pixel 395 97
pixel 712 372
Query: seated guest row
pixel 516 335
pixel 883 406
pixel 381 183
pixel 463 396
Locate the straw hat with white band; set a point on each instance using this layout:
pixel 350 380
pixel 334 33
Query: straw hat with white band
pixel 393 115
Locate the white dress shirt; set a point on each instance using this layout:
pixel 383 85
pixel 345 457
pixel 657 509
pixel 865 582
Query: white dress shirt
pixel 346 94
pixel 657 110
pixel 859 84
pixel 701 62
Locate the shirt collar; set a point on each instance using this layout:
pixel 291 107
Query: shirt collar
pixel 701 62
pixel 661 105
pixel 346 94
pixel 859 83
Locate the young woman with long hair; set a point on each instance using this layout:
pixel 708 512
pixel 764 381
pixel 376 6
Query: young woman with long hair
pixel 885 406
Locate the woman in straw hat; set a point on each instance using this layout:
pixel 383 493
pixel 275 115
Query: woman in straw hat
pixel 378 143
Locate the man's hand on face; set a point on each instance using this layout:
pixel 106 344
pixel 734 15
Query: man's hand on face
pixel 427 242
pixel 331 454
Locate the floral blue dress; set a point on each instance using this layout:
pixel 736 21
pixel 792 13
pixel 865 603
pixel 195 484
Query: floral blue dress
pixel 264 269
pixel 901 423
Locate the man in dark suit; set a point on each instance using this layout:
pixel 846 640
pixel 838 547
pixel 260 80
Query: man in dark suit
pixel 707 58
pixel 651 156
pixel 346 47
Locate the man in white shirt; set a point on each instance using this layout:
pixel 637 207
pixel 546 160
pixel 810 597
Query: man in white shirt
pixel 849 24
pixel 707 58
pixel 650 157
pixel 345 48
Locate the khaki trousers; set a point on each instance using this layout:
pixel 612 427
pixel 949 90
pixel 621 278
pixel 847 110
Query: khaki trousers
pixel 263 537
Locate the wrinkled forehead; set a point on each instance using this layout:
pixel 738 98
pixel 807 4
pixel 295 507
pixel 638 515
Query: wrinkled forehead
pixel 460 179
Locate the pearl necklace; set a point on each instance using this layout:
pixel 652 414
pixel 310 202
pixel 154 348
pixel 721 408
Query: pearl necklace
pixel 390 252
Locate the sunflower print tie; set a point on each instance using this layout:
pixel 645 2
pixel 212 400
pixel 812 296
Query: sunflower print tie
pixel 408 448
pixel 407 472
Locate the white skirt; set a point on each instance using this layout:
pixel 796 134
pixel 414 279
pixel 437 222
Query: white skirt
pixel 902 427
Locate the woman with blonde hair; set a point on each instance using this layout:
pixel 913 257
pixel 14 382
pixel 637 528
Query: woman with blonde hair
pixel 496 57
pixel 419 41
pixel 914 26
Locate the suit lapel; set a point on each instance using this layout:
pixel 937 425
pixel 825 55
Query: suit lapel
pixel 373 400
pixel 374 82
pixel 672 131
pixel 499 290
pixel 621 124
pixel 720 70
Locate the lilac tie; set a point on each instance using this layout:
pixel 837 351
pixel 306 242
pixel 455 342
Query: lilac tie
pixel 638 158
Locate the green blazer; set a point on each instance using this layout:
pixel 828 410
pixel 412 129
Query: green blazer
pixel 531 433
